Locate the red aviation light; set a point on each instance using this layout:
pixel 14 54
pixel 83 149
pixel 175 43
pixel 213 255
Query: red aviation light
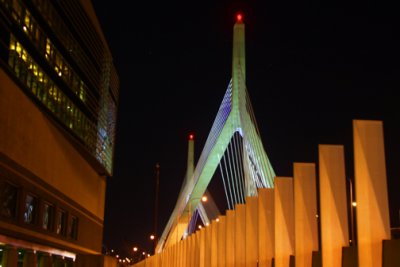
pixel 239 17
pixel 191 136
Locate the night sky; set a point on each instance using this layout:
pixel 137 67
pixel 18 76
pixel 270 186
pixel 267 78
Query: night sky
pixel 311 69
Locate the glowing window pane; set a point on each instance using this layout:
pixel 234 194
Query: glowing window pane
pixel 61 222
pixel 48 214
pixel 30 209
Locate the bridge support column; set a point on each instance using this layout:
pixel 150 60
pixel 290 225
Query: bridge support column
pixel 189 251
pixel 266 226
pixel 371 191
pixel 240 235
pixel 230 238
pixel 10 257
pixel 197 249
pixel 333 204
pixel 45 260
pixel 305 213
pixel 214 243
pixel 202 247
pixel 221 241
pixel 251 231
pixel 207 252
pixel 284 224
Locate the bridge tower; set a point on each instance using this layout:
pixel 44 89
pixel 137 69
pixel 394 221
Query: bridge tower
pixel 234 140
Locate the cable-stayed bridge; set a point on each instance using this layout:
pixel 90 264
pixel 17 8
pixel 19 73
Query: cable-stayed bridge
pixel 305 220
pixel 233 145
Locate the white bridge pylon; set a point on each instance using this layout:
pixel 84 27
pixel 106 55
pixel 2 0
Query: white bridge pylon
pixel 235 116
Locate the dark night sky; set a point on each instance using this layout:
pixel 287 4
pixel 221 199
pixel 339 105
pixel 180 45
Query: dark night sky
pixel 311 70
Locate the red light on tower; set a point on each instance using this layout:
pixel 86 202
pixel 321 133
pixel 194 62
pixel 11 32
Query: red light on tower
pixel 191 136
pixel 239 17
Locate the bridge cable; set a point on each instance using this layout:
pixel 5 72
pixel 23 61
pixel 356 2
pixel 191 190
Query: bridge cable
pixel 230 175
pixel 229 184
pixel 238 143
pixel 234 174
pixel 223 181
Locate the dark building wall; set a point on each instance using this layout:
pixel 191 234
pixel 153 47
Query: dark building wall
pixel 39 158
pixel 58 101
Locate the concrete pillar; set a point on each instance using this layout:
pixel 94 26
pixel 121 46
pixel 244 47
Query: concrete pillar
pixel 240 235
pixel 179 254
pixel 189 249
pixel 333 204
pixel 30 259
pixel 192 250
pixel 214 244
pixel 371 191
pixel 10 256
pixel 45 260
pixel 197 249
pixel 202 247
pixel 284 223
pixel 221 240
pixel 184 246
pixel 266 226
pixel 207 251
pixel 168 258
pixel 230 238
pixel 173 250
pixel 58 261
pixel 251 231
pixel 305 213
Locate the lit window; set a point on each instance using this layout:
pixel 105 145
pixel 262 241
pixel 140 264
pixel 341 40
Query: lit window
pixel 48 215
pixel 61 222
pixel 30 209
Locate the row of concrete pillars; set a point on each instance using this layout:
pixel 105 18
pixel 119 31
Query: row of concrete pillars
pixel 11 258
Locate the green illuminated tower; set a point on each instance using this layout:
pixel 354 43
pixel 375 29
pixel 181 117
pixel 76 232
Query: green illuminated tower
pixel 234 136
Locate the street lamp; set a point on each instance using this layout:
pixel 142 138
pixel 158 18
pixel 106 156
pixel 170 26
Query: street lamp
pixel 157 182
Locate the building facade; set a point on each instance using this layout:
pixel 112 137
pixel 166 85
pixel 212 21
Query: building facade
pixel 58 105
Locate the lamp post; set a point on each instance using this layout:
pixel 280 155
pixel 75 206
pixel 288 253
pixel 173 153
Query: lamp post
pixel 353 204
pixel 157 182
